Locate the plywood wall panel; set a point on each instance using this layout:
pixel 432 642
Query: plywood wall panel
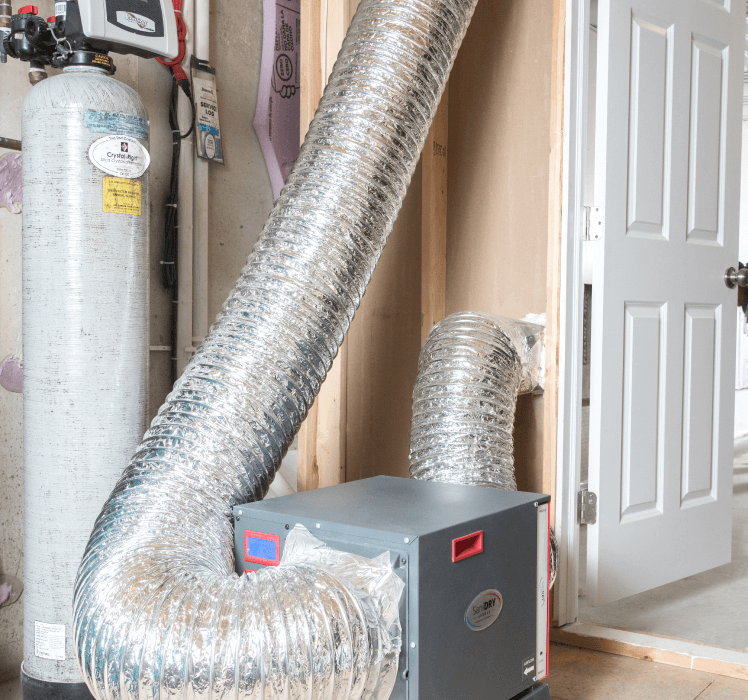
pixel 497 213
pixel 499 111
pixel 383 347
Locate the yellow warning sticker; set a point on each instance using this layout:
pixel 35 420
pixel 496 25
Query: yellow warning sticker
pixel 122 196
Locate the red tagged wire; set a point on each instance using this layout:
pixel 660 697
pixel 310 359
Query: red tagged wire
pixel 179 73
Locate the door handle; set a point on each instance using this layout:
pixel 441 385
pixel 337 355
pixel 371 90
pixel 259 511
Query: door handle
pixel 736 278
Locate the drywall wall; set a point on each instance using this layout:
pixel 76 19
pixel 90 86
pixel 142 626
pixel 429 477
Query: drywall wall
pixel 240 202
pixel 499 144
pixel 11 418
pixel 240 194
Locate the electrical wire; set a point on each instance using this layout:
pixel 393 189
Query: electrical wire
pixel 180 80
pixel 174 63
pixel 169 271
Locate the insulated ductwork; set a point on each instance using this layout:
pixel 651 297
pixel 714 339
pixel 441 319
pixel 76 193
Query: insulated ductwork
pixel 471 369
pixel 157 610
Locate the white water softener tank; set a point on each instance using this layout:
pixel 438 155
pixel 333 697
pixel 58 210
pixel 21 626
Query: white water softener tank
pixel 85 339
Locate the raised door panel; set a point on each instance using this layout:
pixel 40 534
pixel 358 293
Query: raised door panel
pixel 700 373
pixel 706 142
pixel 643 406
pixel 650 127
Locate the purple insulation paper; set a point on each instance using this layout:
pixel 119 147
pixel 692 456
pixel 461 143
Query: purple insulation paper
pixel 11 189
pixel 278 104
pixel 11 374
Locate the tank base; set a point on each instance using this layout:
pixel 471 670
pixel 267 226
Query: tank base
pixel 539 691
pixel 34 689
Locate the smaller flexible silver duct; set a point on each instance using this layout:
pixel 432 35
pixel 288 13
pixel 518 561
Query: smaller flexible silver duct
pixel 471 369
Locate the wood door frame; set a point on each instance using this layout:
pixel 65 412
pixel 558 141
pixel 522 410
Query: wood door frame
pixel 569 418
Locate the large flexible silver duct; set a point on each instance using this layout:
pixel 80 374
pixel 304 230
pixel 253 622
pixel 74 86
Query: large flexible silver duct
pixel 471 369
pixel 158 611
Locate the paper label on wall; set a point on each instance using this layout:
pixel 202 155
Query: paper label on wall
pixel 49 641
pixel 122 196
pixel 119 155
pixel 117 123
pixel 209 144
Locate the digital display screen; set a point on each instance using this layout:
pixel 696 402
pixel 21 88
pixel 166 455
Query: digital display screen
pixel 261 550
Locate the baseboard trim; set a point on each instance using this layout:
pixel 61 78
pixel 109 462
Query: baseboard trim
pixel 664 650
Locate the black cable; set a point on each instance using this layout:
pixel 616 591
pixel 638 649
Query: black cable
pixel 169 274
pixel 187 89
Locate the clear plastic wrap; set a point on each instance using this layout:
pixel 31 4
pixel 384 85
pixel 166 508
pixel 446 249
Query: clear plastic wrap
pixel 157 609
pixel 471 369
pixel 376 588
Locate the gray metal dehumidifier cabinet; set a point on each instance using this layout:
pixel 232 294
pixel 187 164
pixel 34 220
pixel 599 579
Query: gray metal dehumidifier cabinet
pixel 475 563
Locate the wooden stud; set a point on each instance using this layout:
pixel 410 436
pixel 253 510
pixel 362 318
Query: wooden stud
pixel 550 418
pixel 322 435
pixel 313 60
pixel 434 220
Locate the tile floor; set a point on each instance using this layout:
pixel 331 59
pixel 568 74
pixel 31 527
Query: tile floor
pixel 579 674
pixel 709 608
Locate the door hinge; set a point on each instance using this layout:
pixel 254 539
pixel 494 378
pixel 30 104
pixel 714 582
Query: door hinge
pixel 593 224
pixel 587 505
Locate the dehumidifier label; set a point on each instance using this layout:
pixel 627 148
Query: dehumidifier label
pixel 49 641
pixel 484 610
pixel 543 573
pixel 119 155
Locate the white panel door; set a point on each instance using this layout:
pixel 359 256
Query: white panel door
pixel 667 180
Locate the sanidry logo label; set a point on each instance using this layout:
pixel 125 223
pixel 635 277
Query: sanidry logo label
pixel 484 610
pixel 138 22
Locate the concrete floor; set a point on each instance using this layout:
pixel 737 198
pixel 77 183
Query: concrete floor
pixel 579 674
pixel 709 608
pixel 11 690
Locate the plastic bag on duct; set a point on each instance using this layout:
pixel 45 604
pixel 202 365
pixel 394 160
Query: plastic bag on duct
pixel 374 585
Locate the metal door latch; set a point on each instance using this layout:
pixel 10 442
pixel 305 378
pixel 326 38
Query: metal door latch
pixel 587 505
